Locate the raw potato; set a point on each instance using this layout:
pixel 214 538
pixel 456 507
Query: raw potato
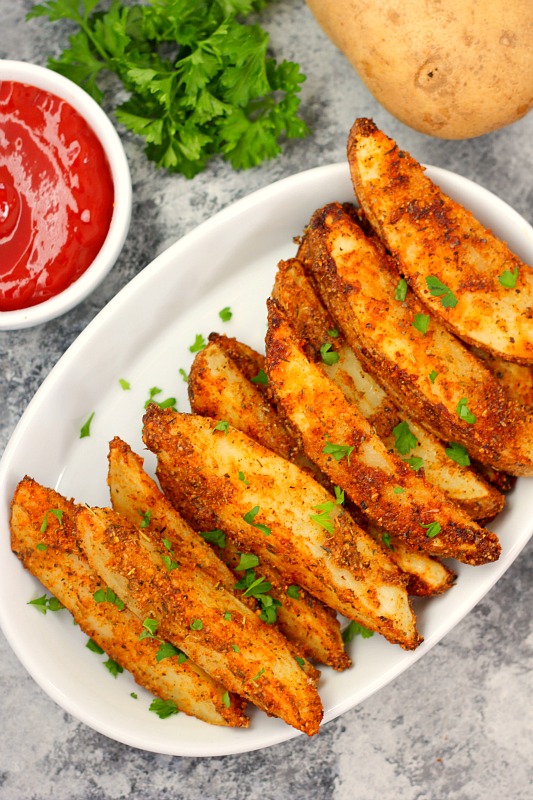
pixel 453 70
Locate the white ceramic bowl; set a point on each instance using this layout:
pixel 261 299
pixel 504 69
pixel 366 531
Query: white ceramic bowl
pixel 51 81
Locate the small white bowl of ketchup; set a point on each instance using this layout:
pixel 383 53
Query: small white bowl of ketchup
pixel 65 195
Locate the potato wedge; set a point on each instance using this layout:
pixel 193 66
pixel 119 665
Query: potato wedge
pixel 429 373
pixel 210 625
pixel 63 569
pixel 460 270
pixel 344 445
pixel 219 389
pixel 275 515
pixel 313 629
pixel 296 295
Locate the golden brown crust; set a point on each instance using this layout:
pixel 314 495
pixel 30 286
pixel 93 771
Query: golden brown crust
pixel 320 414
pixel 432 236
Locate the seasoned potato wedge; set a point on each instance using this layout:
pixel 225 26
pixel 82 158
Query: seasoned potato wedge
pixel 220 387
pixel 344 445
pixel 210 625
pixel 280 514
pixel 61 566
pixel 428 372
pixel 453 263
pixel 304 309
pixel 312 628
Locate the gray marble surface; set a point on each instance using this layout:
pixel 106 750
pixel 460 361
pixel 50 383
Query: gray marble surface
pixel 458 723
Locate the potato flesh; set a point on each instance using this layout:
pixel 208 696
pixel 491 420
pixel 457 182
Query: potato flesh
pixel 371 475
pixel 344 569
pixel 64 571
pixel 432 236
pixel 348 265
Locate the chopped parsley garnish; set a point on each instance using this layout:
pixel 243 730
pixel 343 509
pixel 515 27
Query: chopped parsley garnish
pixel 328 355
pixel 300 661
pixel 227 615
pixel 458 453
pixel 146 518
pixel 324 518
pixel 338 451
pixel 249 518
pixel 108 596
pixel 398 490
pixel 150 627
pixel 400 293
pixel 333 332
pixel 464 412
pixel 225 314
pixel 261 672
pixel 169 559
pixel 197 625
pixel 405 440
pixel 508 278
pixel 183 375
pixel 386 539
pixel 163 708
pixel 432 529
pixel 439 289
pixel 134 695
pixel 247 561
pixel 415 462
pixel 242 477
pixel 222 425
pixel 57 512
pixel 293 591
pixel 235 648
pixel 355 629
pixel 226 699
pixel 421 323
pixel 198 344
pixel 432 375
pixel 41 546
pixel 261 377
pixel 86 427
pixel 46 603
pixel 113 667
pixel 170 402
pixel 257 587
pixel 217 537
pixel 167 650
pixel 93 647
pixel 124 384
pixel 339 495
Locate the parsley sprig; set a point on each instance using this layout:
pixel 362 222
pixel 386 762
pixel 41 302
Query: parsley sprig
pixel 197 74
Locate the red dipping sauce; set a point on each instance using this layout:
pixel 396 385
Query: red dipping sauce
pixel 56 195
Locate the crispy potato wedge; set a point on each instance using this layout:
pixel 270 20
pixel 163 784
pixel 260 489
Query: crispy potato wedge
pixel 344 445
pixel 215 629
pixel 62 568
pixel 312 628
pixel 517 379
pixel 453 263
pixel 244 409
pixel 429 373
pixel 296 295
pixel 278 513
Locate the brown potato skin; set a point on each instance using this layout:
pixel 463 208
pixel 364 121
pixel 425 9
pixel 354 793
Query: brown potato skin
pixel 452 70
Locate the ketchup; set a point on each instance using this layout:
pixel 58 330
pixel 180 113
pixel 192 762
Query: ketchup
pixel 56 195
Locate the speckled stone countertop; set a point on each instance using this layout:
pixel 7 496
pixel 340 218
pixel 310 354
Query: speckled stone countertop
pixel 458 723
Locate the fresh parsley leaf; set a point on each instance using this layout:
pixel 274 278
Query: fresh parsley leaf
pixel 146 518
pixel 355 629
pixel 415 462
pixel 198 344
pixel 57 512
pixel 227 615
pixel 328 355
pixel 225 314
pixel 93 647
pixel 183 375
pixel 226 699
pixel 338 451
pixel 167 650
pixel 125 385
pixel 113 667
pixel 333 332
pixel 150 627
pixel 293 591
pixel 217 537
pixel 261 672
pixel 457 452
pixel 261 377
pixel 247 561
pixel 508 278
pixel 324 518
pixel 421 323
pixel 432 529
pixel 107 595
pixel 86 427
pixel 41 546
pixel 242 477
pixel 405 440
pixel 432 375
pixel 235 648
pixel 249 518
pixel 46 603
pixel 439 289
pixel 464 412
pixel 398 490
pixel 222 425
pixel 400 293
pixel 197 625
pixel 163 708
pixel 300 661
pixel 386 539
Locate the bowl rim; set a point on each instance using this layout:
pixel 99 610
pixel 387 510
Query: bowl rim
pixel 55 83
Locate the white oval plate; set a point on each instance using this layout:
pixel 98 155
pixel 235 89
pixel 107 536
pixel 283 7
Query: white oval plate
pixel 143 336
